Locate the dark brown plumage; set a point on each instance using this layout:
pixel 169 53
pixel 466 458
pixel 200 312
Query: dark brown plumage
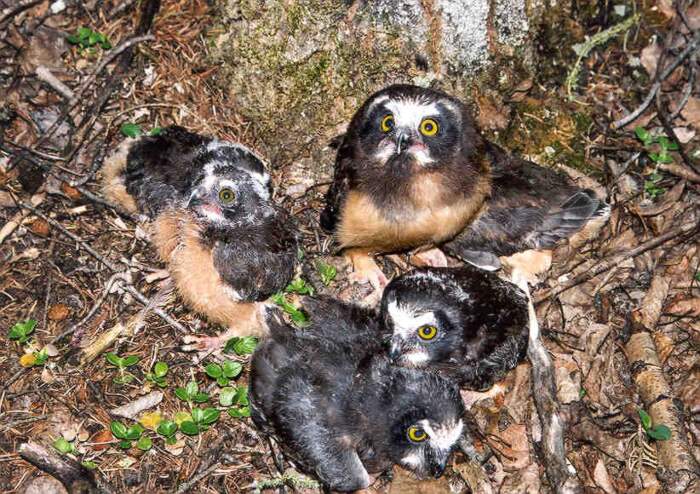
pixel 413 171
pixel 225 243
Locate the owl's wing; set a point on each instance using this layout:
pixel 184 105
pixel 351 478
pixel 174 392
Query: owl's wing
pixel 259 261
pixel 160 169
pixel 338 190
pixel 531 207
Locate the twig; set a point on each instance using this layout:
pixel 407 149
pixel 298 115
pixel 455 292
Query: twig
pixel 44 74
pixel 17 8
pixel 596 40
pixel 69 472
pixel 605 264
pixel 561 476
pixel 689 49
pixel 668 128
pixel 128 287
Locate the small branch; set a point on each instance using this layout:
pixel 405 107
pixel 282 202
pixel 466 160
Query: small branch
pixel 17 8
pixel 561 476
pixel 689 49
pixel 44 74
pixel 608 263
pixel 69 472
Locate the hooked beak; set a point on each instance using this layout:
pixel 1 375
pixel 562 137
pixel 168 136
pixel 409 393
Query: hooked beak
pixel 195 197
pixel 402 141
pixel 395 350
pixel 438 463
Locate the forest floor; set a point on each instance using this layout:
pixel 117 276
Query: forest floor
pixel 620 314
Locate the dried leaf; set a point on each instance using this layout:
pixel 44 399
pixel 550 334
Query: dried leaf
pixel 71 192
pixel 602 479
pixel 27 360
pixel 101 440
pixel 58 312
pixel 132 409
pixel 691 112
pixel 688 307
pixel 151 420
pixel 650 58
pixel 40 227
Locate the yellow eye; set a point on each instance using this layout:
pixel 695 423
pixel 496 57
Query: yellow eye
pixel 387 123
pixel 416 434
pixel 429 127
pixel 427 332
pixel 226 196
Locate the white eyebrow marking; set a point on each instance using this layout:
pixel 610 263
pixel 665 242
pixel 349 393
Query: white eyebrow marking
pixel 407 321
pixel 411 112
pixel 445 436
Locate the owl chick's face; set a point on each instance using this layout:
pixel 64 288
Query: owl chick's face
pixel 404 126
pixel 423 318
pixel 430 423
pixel 233 188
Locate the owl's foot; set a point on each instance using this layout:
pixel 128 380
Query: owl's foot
pixel 204 345
pixel 434 258
pixel 366 270
pixel 528 265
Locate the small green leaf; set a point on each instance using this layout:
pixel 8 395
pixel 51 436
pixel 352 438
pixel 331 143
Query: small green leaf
pixel 90 465
pixel 182 394
pixel 93 38
pixel 134 432
pixel 130 360
pixel 222 381
pixel 84 33
pixel 63 446
pixel 197 414
pixel 209 416
pixel 643 135
pixel 201 398
pixel 238 413
pixel 130 129
pixel 171 440
pixel 242 395
pixel 73 39
pixel 41 357
pixel 299 286
pixel 161 382
pixel 192 388
pixel 145 443
pixel 21 330
pixel 645 418
pixel 660 433
pixel 299 317
pixel 126 444
pixel 160 369
pixel 581 393
pixel 189 428
pixel 226 396
pixel 327 272
pixel 241 346
pixel 118 429
pixel 232 369
pixel 167 428
pixel 155 131
pixel 114 359
pixel 213 370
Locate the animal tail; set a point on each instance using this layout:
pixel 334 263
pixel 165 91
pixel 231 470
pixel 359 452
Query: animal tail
pixel 578 210
pixel 113 172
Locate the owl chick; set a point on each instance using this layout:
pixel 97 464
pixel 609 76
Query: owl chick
pixel 341 411
pixel 465 322
pixel 225 243
pixel 413 172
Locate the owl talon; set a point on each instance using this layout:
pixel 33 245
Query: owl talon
pixel 432 258
pixel 203 345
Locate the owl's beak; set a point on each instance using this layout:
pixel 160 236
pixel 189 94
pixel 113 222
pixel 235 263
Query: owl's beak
pixel 437 461
pixel 195 197
pixel 395 350
pixel 403 140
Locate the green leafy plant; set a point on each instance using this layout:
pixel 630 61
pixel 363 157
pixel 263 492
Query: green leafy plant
pixel 21 330
pixel 241 345
pixel 122 363
pixel 157 377
pixel 130 129
pixel 86 38
pixel 298 316
pixel 242 405
pixel 299 286
pixel 326 271
pixel 225 372
pixel 90 465
pixel 656 147
pixel 63 446
pixel 651 187
pixel 190 393
pixel 127 435
pixel 202 418
pixel 658 432
pixel 167 429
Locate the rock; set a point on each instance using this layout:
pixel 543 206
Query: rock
pixel 297 70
